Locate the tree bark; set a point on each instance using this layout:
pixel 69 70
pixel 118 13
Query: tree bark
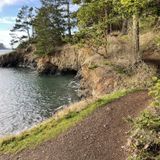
pixel 29 37
pixel 107 26
pixel 69 19
pixel 136 41
pixel 125 27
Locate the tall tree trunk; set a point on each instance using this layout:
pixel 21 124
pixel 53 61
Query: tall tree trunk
pixel 33 32
pixel 27 30
pixel 136 41
pixel 69 19
pixel 125 27
pixel 110 28
pixel 107 26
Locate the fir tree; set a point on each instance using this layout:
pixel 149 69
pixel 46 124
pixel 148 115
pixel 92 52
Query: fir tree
pixel 49 26
pixel 23 24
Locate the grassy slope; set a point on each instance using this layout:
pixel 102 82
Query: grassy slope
pixel 53 127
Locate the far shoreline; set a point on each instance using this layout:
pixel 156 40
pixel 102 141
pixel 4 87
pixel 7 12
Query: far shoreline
pixel 5 51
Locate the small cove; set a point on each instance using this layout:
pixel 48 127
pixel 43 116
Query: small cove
pixel 27 98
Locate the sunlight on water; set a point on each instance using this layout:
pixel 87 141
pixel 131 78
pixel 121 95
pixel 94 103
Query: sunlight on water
pixel 27 98
pixel 2 52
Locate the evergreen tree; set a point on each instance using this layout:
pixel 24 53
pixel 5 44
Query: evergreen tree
pixel 23 24
pixel 96 19
pixel 136 9
pixel 49 26
pixel 69 19
pixel 114 14
pixel 67 15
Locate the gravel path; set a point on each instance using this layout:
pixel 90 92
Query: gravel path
pixel 98 137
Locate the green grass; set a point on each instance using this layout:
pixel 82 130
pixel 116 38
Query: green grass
pixel 51 128
pixel 93 66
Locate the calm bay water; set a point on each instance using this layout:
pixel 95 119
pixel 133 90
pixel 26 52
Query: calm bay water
pixel 5 51
pixel 27 98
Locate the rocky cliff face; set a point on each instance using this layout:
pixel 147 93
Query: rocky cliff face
pixel 98 75
pixel 68 58
pixel 19 58
pixel 10 60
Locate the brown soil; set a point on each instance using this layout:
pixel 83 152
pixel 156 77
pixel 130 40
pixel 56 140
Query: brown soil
pixel 98 137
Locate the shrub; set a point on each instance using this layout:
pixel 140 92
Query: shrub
pixel 157 41
pixel 144 142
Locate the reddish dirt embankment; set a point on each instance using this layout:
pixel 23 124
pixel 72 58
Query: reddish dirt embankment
pixel 98 137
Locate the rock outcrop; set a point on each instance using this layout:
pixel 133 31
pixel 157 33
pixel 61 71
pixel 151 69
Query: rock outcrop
pixel 19 58
pixel 2 46
pixel 10 60
pixel 44 66
pixel 98 74
pixel 67 58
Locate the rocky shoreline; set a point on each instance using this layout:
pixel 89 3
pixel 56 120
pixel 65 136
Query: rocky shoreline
pixel 97 75
pixel 59 63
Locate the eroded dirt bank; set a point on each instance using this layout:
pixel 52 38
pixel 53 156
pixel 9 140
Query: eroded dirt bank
pixel 101 136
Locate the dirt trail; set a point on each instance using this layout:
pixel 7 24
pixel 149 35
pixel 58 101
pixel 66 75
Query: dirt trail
pixel 98 137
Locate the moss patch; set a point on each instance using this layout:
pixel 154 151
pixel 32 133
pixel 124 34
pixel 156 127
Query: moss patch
pixel 51 128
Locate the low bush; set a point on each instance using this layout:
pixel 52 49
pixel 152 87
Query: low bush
pixel 144 141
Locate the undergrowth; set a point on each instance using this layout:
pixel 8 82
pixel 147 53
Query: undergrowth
pixel 144 142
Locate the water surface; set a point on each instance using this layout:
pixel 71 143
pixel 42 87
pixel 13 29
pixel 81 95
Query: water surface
pixel 6 51
pixel 27 98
